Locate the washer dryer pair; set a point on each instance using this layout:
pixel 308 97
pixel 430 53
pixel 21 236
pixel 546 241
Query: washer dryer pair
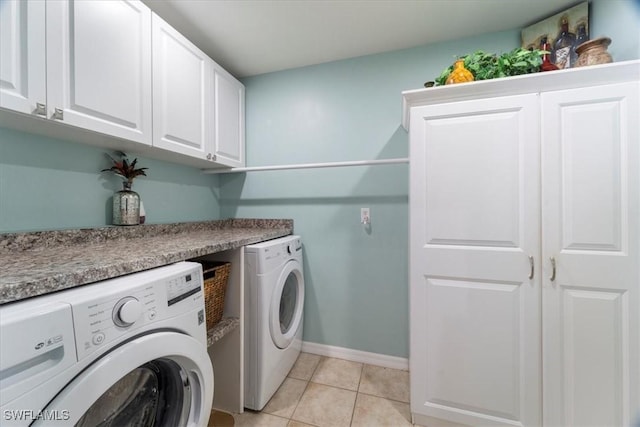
pixel 274 299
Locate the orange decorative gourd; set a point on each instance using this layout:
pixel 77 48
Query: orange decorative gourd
pixel 459 74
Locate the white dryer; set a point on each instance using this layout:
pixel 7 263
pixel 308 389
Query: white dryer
pixel 274 299
pixel 122 352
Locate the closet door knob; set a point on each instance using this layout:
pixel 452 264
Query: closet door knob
pixel 553 269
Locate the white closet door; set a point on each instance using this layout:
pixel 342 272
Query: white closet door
pixel 591 227
pixel 99 66
pixel 22 55
pixel 474 221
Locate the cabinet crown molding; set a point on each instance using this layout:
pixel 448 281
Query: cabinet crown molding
pixel 595 75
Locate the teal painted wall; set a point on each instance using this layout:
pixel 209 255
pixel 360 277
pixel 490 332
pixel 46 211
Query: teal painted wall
pixel 51 184
pixel 356 279
pixel 618 20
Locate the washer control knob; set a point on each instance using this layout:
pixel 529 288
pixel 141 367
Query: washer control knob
pixel 127 311
pixel 290 248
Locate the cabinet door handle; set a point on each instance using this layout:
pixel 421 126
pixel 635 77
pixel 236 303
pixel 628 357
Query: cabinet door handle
pixel 41 109
pixel 553 269
pixel 532 265
pixel 58 114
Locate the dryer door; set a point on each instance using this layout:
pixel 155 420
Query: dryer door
pixel 286 304
pixel 160 379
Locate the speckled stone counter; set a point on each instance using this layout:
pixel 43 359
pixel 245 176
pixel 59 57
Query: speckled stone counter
pixel 38 263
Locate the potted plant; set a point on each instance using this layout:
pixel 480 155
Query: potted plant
pixel 124 169
pixel 126 203
pixel 485 66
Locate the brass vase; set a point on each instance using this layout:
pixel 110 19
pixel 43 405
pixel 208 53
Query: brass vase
pixel 594 52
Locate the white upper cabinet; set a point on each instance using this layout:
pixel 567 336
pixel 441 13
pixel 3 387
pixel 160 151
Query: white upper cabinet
pixel 228 119
pixel 22 56
pixel 198 107
pixel 114 68
pixel 182 93
pixel 99 66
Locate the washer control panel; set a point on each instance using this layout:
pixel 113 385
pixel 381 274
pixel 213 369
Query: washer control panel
pixel 272 253
pixel 126 305
pixel 104 320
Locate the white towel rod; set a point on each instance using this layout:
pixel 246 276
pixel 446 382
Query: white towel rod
pixel 310 166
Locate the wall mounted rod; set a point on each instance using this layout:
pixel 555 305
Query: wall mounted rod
pixel 309 166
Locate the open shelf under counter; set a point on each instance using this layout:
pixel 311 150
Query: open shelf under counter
pixel 222 328
pixel 225 341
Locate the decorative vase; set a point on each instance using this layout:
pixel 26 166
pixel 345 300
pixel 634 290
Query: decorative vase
pixel 594 52
pixel 459 74
pixel 126 206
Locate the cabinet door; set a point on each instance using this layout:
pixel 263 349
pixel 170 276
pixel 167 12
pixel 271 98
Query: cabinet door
pixel 229 119
pixel 182 93
pixel 22 56
pixel 474 293
pixel 99 66
pixel 591 226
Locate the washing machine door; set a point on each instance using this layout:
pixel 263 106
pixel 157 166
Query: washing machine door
pixel 160 379
pixel 286 305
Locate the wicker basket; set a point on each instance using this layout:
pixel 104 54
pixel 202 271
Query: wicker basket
pixel 216 276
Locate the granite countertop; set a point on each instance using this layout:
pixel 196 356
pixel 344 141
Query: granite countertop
pixel 38 263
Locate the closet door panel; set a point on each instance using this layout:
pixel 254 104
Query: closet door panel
pixel 475 296
pixel 470 348
pixel 472 182
pixel 591 228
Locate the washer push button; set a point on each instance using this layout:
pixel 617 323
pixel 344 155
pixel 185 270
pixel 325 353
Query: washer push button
pixel 98 338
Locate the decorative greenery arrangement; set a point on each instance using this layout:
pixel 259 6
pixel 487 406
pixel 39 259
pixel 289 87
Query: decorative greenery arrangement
pixel 124 169
pixel 485 66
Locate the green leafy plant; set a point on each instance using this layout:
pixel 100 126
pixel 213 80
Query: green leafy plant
pixel 486 66
pixel 124 169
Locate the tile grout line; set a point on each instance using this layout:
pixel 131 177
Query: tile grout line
pixel 355 401
pixel 304 391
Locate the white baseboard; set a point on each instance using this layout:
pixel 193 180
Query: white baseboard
pixel 376 359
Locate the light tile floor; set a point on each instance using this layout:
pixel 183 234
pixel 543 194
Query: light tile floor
pixel 326 392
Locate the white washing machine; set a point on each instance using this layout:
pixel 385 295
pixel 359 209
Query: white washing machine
pixel 274 299
pixel 130 351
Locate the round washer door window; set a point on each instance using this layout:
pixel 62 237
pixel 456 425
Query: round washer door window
pixel 154 394
pixel 286 305
pixel 159 379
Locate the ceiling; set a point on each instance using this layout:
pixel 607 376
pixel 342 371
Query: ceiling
pixel 249 37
